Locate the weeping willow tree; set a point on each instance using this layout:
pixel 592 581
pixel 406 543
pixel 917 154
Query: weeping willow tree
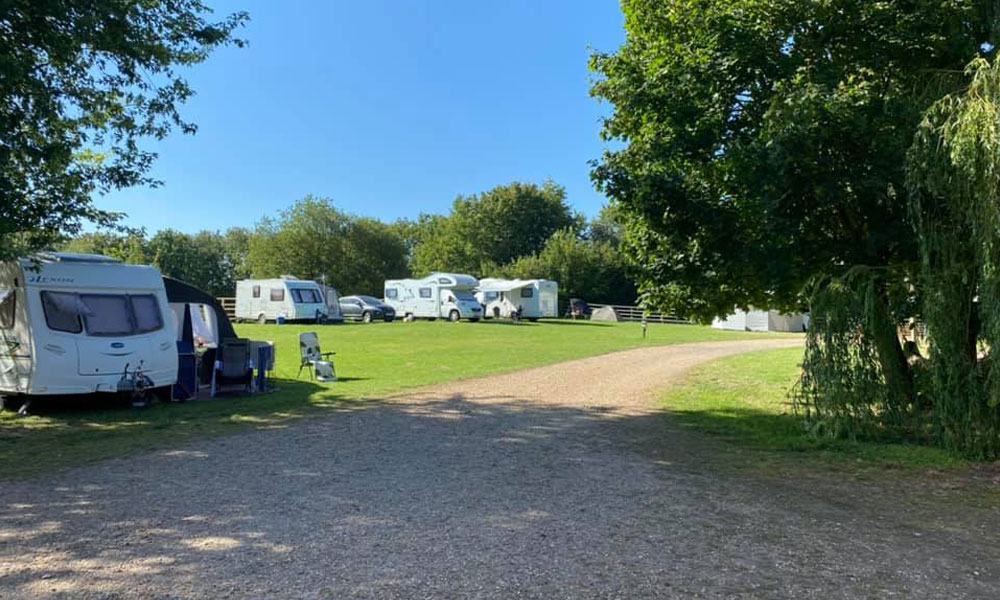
pixel 953 180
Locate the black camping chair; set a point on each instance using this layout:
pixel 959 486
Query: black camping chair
pixel 232 366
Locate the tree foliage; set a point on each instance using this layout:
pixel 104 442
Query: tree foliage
pixel 83 83
pixel 315 240
pixel 765 163
pixel 595 271
pixel 494 228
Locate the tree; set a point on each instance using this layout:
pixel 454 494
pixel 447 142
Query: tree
pixel 83 84
pixel 592 270
pixel 126 248
pixel 199 259
pixel 494 228
pixel 314 240
pixel 764 163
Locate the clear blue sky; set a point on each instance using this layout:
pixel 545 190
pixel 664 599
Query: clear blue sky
pixel 389 107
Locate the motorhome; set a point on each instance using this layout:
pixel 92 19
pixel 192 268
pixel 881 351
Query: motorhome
pixel 80 324
pixel 763 320
pixel 535 298
pixel 440 295
pixel 286 298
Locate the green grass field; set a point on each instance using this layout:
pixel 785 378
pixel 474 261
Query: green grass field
pixel 744 399
pixel 372 361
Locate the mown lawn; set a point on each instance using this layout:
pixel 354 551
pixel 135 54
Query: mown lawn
pixel 744 399
pixel 372 361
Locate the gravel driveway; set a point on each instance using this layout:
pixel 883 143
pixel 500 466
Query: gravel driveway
pixel 557 482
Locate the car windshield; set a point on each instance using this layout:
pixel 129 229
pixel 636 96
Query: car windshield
pixel 467 296
pixel 370 300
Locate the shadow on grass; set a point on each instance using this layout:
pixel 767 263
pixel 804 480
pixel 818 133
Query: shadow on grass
pixel 758 430
pixel 97 427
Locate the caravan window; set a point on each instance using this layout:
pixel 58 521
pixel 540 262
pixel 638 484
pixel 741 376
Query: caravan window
pixel 306 296
pixel 62 312
pixel 7 299
pixel 105 314
pixel 527 292
pixel 491 296
pixel 146 311
pixel 425 292
pixel 256 291
pixel 391 293
pixel 277 294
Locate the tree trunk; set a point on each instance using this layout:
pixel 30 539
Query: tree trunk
pixel 892 358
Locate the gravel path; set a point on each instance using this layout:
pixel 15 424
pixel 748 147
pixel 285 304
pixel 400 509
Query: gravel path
pixel 557 482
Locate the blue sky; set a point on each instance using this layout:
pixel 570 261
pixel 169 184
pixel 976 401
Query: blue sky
pixel 389 107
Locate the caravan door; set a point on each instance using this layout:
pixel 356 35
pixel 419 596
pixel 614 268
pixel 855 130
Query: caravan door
pixel 427 302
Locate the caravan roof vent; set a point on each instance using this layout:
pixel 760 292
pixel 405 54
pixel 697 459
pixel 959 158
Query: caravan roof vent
pixel 72 257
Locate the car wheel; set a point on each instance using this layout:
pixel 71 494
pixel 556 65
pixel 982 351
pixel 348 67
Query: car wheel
pixel 454 316
pixel 366 317
pixel 261 319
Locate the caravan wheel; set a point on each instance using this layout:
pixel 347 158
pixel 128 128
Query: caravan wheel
pixel 454 316
pixel 261 319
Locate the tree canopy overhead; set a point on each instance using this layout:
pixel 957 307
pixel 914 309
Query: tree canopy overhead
pixel 83 82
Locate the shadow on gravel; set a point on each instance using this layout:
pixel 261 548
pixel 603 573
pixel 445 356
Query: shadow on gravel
pixel 483 496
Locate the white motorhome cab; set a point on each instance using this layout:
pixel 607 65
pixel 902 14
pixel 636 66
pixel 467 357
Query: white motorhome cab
pixel 293 299
pixel 537 298
pixel 80 324
pixel 444 295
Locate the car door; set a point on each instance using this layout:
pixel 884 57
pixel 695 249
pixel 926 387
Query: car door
pixel 347 308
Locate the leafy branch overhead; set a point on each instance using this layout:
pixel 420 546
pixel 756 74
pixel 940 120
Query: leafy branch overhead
pixel 83 83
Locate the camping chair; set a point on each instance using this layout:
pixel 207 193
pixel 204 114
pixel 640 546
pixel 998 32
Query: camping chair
pixel 314 359
pixel 232 366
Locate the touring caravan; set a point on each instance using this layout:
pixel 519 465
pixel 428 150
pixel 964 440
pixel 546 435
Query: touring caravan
pixel 288 297
pixel 537 298
pixel 80 324
pixel 762 320
pixel 445 295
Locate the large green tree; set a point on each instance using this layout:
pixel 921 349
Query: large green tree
pixel 314 240
pixel 83 83
pixel 763 159
pixel 493 228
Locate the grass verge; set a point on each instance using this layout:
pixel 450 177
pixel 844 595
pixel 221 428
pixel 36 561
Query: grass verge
pixel 372 360
pixel 744 400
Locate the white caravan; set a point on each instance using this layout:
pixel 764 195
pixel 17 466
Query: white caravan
pixel 445 295
pixel 537 298
pixel 290 298
pixel 762 320
pixel 79 324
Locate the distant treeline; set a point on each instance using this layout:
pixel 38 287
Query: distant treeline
pixel 516 230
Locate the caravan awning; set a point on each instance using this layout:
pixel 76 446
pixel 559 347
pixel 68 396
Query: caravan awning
pixel 503 286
